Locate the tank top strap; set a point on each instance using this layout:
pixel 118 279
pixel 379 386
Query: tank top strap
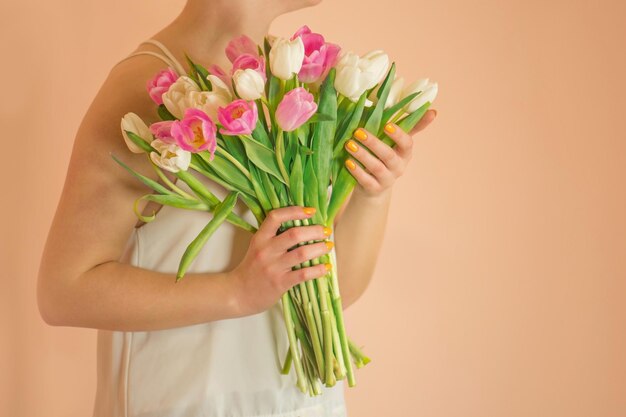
pixel 168 57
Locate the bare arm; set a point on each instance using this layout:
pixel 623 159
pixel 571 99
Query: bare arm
pixel 81 283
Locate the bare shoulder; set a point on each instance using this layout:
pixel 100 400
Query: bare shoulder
pixel 94 216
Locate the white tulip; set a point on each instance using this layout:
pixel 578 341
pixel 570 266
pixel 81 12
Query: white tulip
pixel 249 84
pixel 208 101
pixel 355 75
pixel 375 63
pixel 172 157
pixel 286 57
pixel 219 86
pixel 395 92
pixel 428 93
pixel 133 123
pixel 176 97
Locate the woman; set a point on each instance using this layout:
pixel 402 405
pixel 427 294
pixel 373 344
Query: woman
pixel 211 344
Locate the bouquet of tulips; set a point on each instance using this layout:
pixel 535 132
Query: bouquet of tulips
pixel 272 130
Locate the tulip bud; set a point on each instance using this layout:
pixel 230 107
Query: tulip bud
pixel 355 75
pixel 286 57
pixel 238 118
pixel 428 93
pixel 170 156
pixel 133 123
pixel 395 92
pixel 249 84
pixel 176 97
pixel 296 107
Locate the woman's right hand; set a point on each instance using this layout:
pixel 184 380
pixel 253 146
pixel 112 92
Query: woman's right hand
pixel 265 273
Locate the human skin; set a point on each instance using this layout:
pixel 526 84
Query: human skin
pixel 81 282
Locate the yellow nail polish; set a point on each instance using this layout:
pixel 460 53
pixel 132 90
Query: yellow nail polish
pixel 360 134
pixel 350 164
pixel 327 231
pixel 329 244
pixel 309 210
pixel 352 146
pixel 328 267
pixel 390 128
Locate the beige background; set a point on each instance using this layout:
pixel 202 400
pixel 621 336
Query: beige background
pixel 500 289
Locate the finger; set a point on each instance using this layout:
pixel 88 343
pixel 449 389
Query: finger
pixel 304 274
pixel 366 180
pixel 424 121
pixel 276 217
pixel 379 148
pixel 404 142
pixel 291 237
pixel 374 165
pixel 304 253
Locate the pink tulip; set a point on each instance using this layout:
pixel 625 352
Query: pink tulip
pixel 296 107
pixel 219 73
pixel 249 61
pixel 162 130
pixel 319 55
pixel 160 84
pixel 238 118
pixel 195 132
pixel 241 45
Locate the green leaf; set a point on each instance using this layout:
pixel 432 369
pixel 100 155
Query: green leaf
pixel 291 147
pixel 139 141
pixel 323 138
pixel 147 181
pixel 400 104
pixel 260 134
pixel 164 113
pixel 255 178
pixel 199 74
pixel 412 119
pixel 311 190
pixel 295 180
pixel 207 196
pixel 229 172
pixel 263 157
pixel 234 147
pixel 341 189
pixel 349 126
pixel 266 48
pixel 303 134
pixel 319 117
pixel 222 210
pixel 374 119
pixel 408 122
pixel 273 93
pixel 177 201
pixel 270 189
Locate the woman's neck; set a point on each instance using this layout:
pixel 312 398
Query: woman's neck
pixel 204 27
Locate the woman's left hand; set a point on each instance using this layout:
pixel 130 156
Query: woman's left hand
pixel 382 164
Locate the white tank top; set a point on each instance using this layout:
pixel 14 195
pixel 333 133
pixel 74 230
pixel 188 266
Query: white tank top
pixel 225 368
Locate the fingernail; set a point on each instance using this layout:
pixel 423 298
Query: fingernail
pixel 328 267
pixel 390 128
pixel 352 146
pixel 309 210
pixel 327 231
pixel 350 164
pixel 435 113
pixel 329 244
pixel 360 134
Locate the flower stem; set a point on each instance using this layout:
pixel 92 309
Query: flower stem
pixel 297 362
pixel 171 184
pixel 234 161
